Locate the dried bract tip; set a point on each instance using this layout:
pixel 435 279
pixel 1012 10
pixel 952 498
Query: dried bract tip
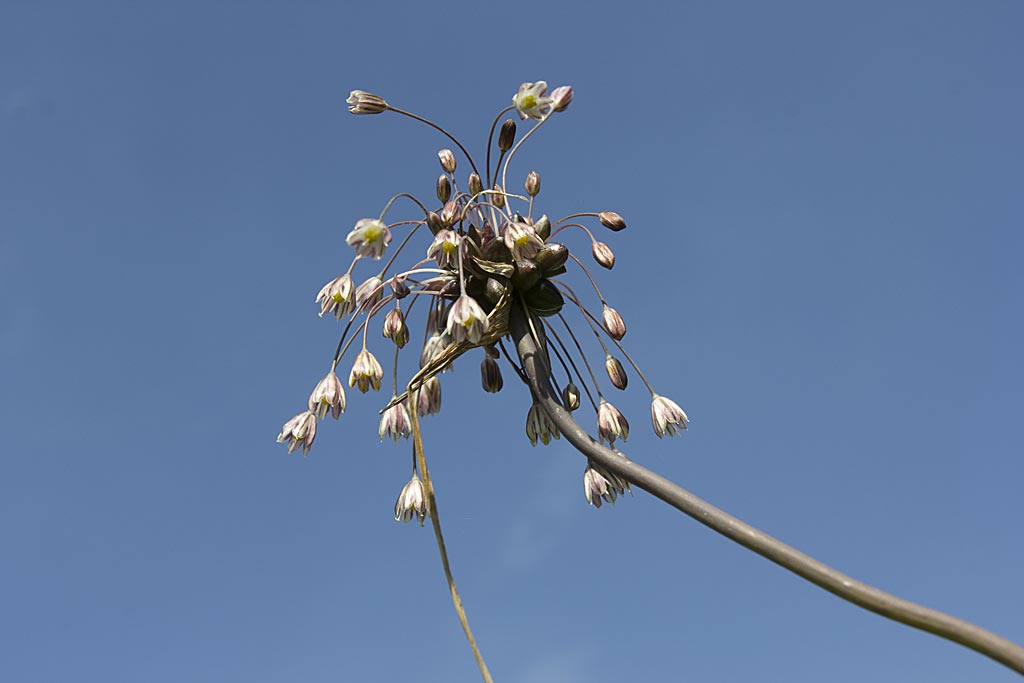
pixel 571 396
pixel 603 254
pixel 616 373
pixel 395 422
pixel 428 402
pixel 366 372
pixel 447 159
pixel 667 416
pixel 369 238
pixel 299 432
pixel 490 376
pixel 561 97
pixel 395 328
pixel 444 188
pixel 612 220
pixel 361 102
pixel 611 424
pixel 540 426
pixel 613 323
pixel 476 186
pixel 507 136
pixel 336 297
pixel 533 183
pixel 412 502
pixel 466 320
pixel 328 396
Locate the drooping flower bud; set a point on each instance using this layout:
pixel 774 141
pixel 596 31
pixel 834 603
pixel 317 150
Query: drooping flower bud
pixel 533 183
pixel 447 159
pixel 395 422
pixel 667 416
pixel 476 186
pixel 434 222
pixel 412 502
pixel 361 102
pixel 616 373
pixel 299 431
pixel 399 287
pixel 603 254
pixel 613 323
pixel 611 424
pixel 327 396
pixel 450 213
pixel 369 293
pixel 444 188
pixel 395 328
pixel 498 198
pixel 429 400
pixel 490 375
pixel 366 372
pixel 612 220
pixel 571 396
pixel 561 97
pixel 507 136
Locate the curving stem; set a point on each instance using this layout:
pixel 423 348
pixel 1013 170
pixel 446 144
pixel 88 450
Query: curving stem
pixel 536 365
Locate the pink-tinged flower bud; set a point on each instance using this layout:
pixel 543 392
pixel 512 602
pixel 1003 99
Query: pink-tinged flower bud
pixel 571 396
pixel 336 297
pixel 532 101
pixel 466 320
pixel 444 188
pixel 400 287
pixel 603 254
pixel 299 431
pixel 498 198
pixel 561 97
pixel 600 484
pixel 612 220
pixel 429 400
pixel 667 416
pixel 412 502
pixel 434 222
pixel 366 372
pixel 450 213
pixel 616 373
pixel 490 376
pixel 328 396
pixel 476 186
pixel 540 426
pixel 447 159
pixel 611 424
pixel 445 249
pixel 369 238
pixel 395 328
pixel 533 183
pixel 369 293
pixel 360 102
pixel 507 136
pixel 613 323
pixel 395 422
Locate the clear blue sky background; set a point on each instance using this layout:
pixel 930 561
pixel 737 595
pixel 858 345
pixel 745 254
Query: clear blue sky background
pixel 823 266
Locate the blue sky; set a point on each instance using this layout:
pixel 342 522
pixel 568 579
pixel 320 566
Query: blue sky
pixel 822 266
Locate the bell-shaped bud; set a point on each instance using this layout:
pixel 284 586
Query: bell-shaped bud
pixel 507 136
pixel 490 375
pixel 561 97
pixel 450 213
pixel 613 323
pixel 603 254
pixel 476 186
pixel 612 220
pixel 498 198
pixel 444 188
pixel 533 183
pixel 395 328
pixel 616 373
pixel 447 159
pixel 571 396
pixel 434 222
pixel 361 102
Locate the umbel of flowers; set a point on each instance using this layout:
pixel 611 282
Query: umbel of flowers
pixel 468 256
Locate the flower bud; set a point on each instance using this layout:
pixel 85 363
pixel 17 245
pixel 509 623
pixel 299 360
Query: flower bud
pixel 612 220
pixel 498 198
pixel 434 222
pixel 551 259
pixel 492 351
pixel 360 102
pixel 613 323
pixel 490 375
pixel 399 287
pixel 507 136
pixel 449 213
pixel 476 186
pixel 429 400
pixel 533 183
pixel 444 188
pixel 369 293
pixel 561 97
pixel 603 254
pixel 616 373
pixel 447 159
pixel 571 396
pixel 611 424
pixel 395 328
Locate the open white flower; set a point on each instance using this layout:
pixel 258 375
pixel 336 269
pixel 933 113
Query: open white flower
pixel 370 237
pixel 532 101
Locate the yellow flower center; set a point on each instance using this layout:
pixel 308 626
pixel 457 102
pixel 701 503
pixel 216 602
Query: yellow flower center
pixel 528 102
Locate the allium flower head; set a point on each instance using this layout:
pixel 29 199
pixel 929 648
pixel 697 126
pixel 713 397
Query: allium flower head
pixel 445 249
pixel 532 101
pixel 336 297
pixel 299 431
pixel 466 320
pixel 370 237
pixel 667 416
pixel 412 502
pixel 328 396
pixel 611 424
pixel 366 372
pixel 395 422
pixel 361 102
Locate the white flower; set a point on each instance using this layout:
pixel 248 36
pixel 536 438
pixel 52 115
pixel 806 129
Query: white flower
pixel 611 424
pixel 395 422
pixel 327 396
pixel 366 372
pixel 466 320
pixel 369 237
pixel 522 240
pixel 667 416
pixel 532 101
pixel 336 297
pixel 412 502
pixel 445 249
pixel 299 431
